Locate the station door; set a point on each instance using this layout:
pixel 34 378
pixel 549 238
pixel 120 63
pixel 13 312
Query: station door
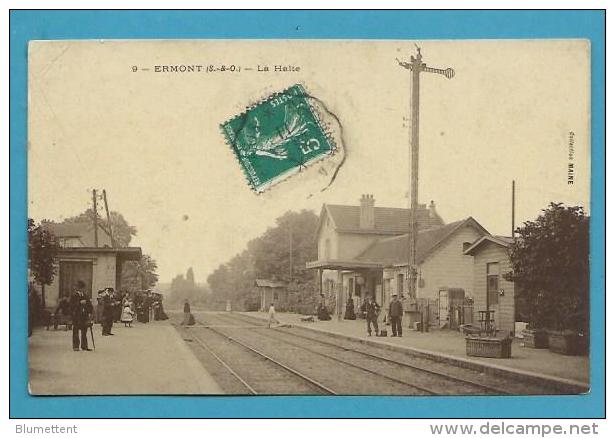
pixel 71 273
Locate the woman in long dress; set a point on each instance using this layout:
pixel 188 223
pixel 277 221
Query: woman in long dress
pixel 322 311
pixel 350 309
pixel 188 318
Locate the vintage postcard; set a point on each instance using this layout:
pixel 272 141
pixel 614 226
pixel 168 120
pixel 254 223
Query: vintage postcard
pixel 309 217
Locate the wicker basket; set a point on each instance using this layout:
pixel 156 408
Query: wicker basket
pixel 488 347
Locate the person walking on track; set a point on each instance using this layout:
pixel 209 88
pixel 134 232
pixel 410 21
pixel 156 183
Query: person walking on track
pixel 272 317
pixel 396 311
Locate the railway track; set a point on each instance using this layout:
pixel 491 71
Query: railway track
pixel 301 362
pixel 427 380
pixel 262 374
pixel 460 380
pixel 401 386
pixel 250 358
pixel 298 363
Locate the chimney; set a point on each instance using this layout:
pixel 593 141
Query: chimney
pixel 366 218
pixel 432 209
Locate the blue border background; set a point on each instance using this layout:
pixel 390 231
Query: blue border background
pixel 412 25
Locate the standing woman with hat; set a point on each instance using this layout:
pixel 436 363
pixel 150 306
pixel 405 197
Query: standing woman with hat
pixel 188 318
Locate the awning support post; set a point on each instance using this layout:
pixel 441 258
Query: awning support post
pixel 338 301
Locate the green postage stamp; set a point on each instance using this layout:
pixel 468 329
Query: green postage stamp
pixel 278 137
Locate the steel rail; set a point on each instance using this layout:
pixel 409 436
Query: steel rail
pixel 345 362
pixel 337 359
pixel 386 359
pixel 281 365
pixel 225 365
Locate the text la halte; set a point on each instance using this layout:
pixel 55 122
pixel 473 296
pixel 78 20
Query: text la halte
pixel 279 68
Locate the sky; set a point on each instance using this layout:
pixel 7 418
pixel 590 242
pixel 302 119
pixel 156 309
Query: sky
pixel 153 142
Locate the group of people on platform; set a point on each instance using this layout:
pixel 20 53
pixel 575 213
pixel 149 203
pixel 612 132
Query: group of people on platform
pixel 112 307
pixel 370 309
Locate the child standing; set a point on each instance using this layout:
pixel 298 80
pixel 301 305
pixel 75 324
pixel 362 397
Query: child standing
pixel 127 314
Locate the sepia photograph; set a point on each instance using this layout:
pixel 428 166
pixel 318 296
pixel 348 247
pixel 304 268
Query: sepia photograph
pixel 309 217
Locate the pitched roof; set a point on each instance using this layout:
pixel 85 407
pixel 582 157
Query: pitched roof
pixel 395 250
pixel 269 283
pixel 392 221
pixel 125 253
pixel 504 241
pixel 84 231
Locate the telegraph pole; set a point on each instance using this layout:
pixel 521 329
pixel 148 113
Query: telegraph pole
pixel 512 231
pixel 108 219
pixel 290 252
pixel 416 67
pixel 95 218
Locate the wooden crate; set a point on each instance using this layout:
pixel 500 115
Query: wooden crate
pixel 535 339
pixel 488 347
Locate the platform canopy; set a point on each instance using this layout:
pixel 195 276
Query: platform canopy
pixel 270 283
pixel 343 265
pixel 131 253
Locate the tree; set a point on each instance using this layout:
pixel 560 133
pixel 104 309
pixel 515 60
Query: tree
pixel 185 288
pixel 272 251
pixel 42 250
pixel 190 277
pixel 550 268
pixel 140 274
pixel 122 230
pixel 269 257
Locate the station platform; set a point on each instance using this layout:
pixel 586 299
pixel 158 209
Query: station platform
pixel 449 345
pixel 148 358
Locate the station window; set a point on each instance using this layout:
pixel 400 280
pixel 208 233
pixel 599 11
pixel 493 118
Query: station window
pixel 493 282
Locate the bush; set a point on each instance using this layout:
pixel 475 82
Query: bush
pixel 550 268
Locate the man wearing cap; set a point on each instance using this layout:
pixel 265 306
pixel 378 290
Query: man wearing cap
pixel 396 312
pixel 108 314
pixel 81 313
pixel 371 309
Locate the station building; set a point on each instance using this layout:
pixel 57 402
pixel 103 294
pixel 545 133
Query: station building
pixel 364 250
pixel 80 260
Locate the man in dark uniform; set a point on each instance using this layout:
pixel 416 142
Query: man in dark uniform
pixel 81 313
pixel 109 310
pixel 396 312
pixel 371 309
pixel 109 306
pixel 147 304
pixel 117 308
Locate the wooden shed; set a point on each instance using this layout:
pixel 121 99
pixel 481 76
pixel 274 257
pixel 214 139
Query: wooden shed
pixel 271 291
pixel 491 290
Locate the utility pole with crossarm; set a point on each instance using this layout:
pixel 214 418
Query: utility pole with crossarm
pixel 416 67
